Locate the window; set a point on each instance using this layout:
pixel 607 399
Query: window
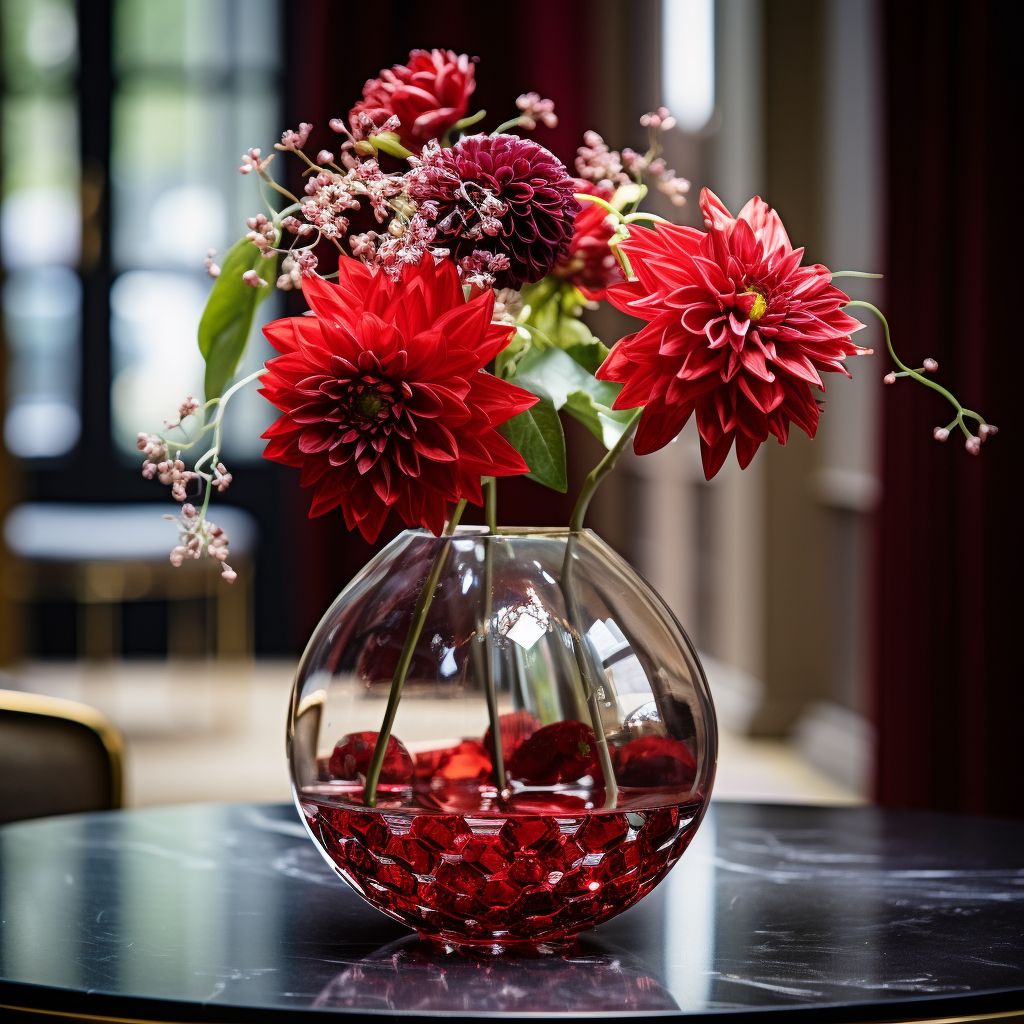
pixel 40 227
pixel 688 61
pixel 196 84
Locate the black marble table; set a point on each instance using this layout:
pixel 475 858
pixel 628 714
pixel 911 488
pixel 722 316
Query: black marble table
pixel 228 913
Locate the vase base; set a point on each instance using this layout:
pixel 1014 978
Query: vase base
pixel 501 883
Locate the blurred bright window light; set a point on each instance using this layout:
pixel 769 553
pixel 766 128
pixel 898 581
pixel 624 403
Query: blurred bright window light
pixel 156 361
pixel 42 321
pixel 688 61
pixel 41 428
pixel 40 227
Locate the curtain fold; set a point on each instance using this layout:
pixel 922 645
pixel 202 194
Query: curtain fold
pixel 949 686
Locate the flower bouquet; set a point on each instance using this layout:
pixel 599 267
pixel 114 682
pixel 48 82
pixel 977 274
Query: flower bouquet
pixel 498 736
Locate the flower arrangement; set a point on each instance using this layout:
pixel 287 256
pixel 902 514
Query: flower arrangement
pixel 441 351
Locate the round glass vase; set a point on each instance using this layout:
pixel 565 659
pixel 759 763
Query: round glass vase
pixel 573 808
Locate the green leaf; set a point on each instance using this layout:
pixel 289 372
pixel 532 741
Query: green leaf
pixel 537 435
pixel 556 374
pixel 589 354
pixel 227 318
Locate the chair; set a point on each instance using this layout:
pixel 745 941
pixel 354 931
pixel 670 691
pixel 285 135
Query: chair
pixel 56 757
pixel 100 556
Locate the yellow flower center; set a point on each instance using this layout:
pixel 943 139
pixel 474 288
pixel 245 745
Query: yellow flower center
pixel 369 404
pixel 759 308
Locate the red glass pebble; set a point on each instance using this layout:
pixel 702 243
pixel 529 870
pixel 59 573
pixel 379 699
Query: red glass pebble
pixel 473 880
pixel 601 832
pixel 352 755
pixel 442 831
pixel 469 761
pixel 516 728
pixel 562 752
pixel 655 761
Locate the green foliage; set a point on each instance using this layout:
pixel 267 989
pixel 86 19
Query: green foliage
pixel 227 319
pixel 537 435
pixel 559 376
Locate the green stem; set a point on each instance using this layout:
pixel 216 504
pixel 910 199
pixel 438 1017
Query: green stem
pixel 419 617
pixel 585 197
pixel 594 478
pixel 857 273
pixel 491 503
pixel 590 685
pixel 600 471
pixel 274 185
pixel 217 425
pixel 491 511
pixel 906 371
pixel 652 217
pixel 505 125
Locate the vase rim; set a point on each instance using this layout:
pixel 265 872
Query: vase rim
pixel 481 532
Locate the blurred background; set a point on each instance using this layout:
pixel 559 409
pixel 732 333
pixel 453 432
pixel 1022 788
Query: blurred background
pixel 856 599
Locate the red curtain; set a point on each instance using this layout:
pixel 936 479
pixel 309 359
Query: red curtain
pixel 949 694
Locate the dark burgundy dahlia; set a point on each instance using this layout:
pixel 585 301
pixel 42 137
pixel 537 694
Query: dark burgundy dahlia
pixel 500 194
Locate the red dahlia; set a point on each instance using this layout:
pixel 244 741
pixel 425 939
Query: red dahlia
pixel 428 94
pixel 500 194
pixel 384 398
pixel 738 332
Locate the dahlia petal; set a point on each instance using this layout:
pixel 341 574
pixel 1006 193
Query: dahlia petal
pixel 499 399
pixel 766 224
pixel 746 449
pixel 316 438
pixel 798 366
pixel 754 362
pixel 713 457
pixel 435 441
pixel 658 426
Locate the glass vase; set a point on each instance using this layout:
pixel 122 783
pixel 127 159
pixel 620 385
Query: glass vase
pixel 553 747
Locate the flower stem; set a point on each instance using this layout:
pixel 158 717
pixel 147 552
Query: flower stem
pixel 217 424
pixel 600 471
pixel 491 511
pixel 505 125
pixel 594 478
pixel 491 503
pixel 906 371
pixel 419 617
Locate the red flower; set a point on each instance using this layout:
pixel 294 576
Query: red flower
pixel 738 333
pixel 428 95
pixel 498 194
pixel 590 264
pixel 384 400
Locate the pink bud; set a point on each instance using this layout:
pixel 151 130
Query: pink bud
pixel 188 511
pixel 987 430
pixel 973 445
pixel 178 556
pixel 337 125
pixel 930 365
pixel 940 434
pixel 325 156
pixel 228 573
pixel 890 378
pixel 252 279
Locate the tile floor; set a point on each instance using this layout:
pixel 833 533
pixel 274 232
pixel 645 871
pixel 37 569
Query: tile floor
pixel 215 732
